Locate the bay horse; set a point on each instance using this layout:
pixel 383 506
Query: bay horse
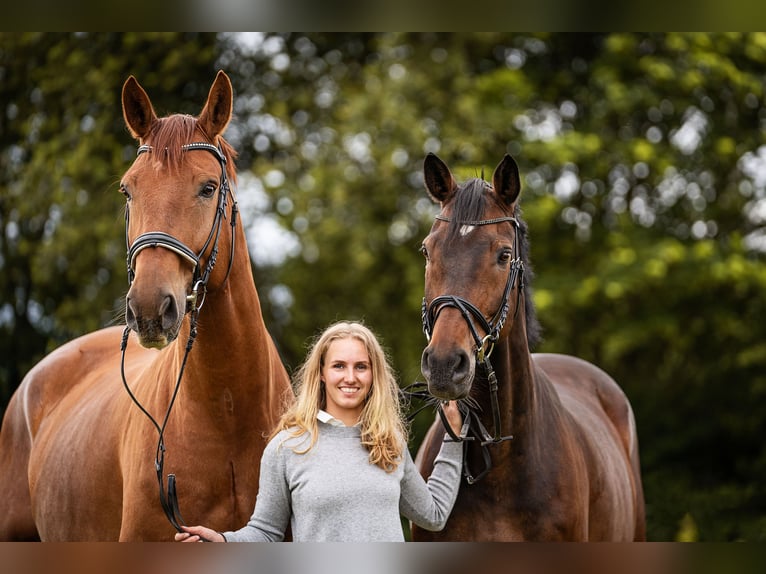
pixel 79 461
pixel 562 461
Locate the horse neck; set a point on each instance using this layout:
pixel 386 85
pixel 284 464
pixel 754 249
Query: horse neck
pixel 525 399
pixel 232 352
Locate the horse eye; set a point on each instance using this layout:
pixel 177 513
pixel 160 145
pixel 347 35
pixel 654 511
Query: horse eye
pixel 505 256
pixel 208 189
pixel 424 251
pixel 124 191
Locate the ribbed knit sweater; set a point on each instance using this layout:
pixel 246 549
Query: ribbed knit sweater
pixel 333 493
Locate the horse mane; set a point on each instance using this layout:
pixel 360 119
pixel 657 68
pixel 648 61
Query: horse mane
pixel 469 204
pixel 171 132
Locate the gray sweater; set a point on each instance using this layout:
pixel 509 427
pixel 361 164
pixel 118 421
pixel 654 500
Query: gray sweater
pixel 333 493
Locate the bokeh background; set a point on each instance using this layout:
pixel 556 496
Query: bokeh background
pixel 643 160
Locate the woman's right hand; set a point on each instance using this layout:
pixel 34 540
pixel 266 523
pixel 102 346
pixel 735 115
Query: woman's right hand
pixel 199 534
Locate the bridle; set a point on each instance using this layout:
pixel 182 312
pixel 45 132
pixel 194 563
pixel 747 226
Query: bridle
pixel 194 301
pixel 473 429
pixel 162 239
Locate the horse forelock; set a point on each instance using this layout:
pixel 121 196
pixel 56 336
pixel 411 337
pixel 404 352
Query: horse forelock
pixel 470 203
pixel 168 134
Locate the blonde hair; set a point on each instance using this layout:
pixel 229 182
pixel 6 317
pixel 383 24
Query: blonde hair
pixel 382 425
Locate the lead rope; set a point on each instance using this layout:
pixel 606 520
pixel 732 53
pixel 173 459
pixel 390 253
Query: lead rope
pixel 169 500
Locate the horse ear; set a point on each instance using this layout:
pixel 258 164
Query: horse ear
pixel 506 180
pixel 440 183
pixel 216 114
pixel 137 109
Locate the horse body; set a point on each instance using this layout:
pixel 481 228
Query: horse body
pixel 571 471
pixel 76 455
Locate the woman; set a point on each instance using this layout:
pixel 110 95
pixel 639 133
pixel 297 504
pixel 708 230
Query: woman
pixel 337 467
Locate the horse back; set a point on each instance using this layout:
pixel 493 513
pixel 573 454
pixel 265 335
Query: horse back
pixel 579 380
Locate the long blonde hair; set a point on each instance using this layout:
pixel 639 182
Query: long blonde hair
pixel 382 425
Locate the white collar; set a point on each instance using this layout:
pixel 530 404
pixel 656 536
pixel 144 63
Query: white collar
pixel 326 417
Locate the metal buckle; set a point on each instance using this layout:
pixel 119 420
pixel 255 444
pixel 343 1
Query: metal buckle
pixel 191 298
pixel 487 346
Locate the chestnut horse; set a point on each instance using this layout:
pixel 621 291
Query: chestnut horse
pixel 79 460
pixel 561 462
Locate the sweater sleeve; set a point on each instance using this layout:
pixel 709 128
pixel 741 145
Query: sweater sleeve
pixel 428 504
pixel 272 511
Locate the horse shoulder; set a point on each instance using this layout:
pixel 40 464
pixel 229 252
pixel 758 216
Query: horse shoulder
pixel 70 406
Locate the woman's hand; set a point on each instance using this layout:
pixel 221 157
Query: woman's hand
pixel 199 534
pixel 453 415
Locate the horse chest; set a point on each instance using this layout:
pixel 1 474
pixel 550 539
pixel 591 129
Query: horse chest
pixel 509 513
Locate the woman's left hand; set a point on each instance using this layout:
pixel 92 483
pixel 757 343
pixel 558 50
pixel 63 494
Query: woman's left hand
pixel 453 415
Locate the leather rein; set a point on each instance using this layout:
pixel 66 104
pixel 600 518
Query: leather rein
pixel 473 429
pixel 194 301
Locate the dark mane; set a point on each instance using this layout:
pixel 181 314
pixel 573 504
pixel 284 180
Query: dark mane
pixel 171 132
pixel 469 204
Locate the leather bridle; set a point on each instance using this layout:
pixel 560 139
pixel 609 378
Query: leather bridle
pixel 473 429
pixel 162 239
pixel 194 301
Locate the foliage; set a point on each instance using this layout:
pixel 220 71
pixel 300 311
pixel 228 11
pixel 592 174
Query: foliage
pixel 643 161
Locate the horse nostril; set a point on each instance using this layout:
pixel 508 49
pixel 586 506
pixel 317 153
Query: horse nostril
pixel 425 366
pixel 130 315
pixel 461 366
pixel 169 312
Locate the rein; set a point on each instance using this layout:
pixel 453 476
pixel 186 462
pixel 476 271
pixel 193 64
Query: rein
pixel 194 302
pixel 473 429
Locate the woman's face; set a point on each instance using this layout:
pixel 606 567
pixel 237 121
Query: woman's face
pixel 347 375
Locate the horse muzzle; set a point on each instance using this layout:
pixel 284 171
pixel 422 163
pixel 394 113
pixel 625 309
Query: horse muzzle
pixel 449 374
pixel 157 322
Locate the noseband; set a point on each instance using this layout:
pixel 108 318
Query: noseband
pixel 194 302
pixel 484 346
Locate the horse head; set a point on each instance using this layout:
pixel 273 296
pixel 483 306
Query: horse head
pixel 177 191
pixel 473 262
